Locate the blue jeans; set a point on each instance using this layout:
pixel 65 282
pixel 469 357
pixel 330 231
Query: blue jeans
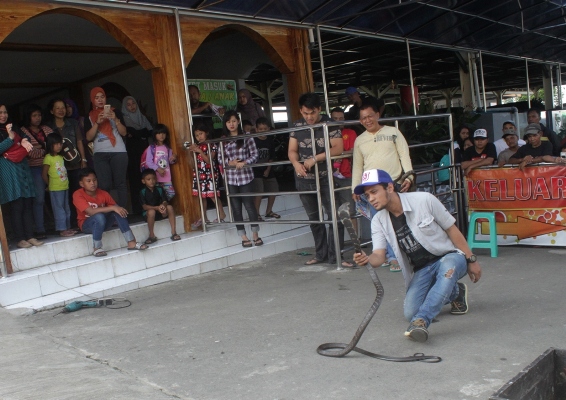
pixel 434 286
pixel 389 254
pixel 323 243
pixel 39 200
pixel 98 223
pixel 61 210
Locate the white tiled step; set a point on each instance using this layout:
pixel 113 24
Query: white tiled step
pixel 50 279
pixel 57 250
pixel 165 271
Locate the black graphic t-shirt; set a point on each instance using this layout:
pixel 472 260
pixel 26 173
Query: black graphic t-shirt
pixel 418 255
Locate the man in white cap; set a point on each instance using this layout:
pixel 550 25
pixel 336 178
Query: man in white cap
pixel 535 151
pixel 501 144
pixel 480 154
pixel 432 252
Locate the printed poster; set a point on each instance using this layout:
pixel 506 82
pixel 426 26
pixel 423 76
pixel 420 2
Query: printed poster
pixel 529 205
pixel 221 93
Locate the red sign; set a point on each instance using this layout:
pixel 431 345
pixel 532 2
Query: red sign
pixel 528 204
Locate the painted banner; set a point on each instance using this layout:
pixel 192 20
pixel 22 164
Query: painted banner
pixel 529 205
pixel 220 92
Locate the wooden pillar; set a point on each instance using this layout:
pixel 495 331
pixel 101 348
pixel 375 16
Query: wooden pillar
pixel 301 80
pixel 171 107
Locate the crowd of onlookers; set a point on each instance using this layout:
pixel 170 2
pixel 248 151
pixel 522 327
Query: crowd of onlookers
pixel 93 168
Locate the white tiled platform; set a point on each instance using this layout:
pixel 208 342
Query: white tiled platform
pixel 63 270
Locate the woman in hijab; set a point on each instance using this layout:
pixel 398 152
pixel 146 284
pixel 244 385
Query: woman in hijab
pixel 110 156
pixel 249 109
pixel 139 131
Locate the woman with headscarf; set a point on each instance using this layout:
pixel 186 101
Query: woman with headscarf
pixel 18 189
pixel 139 131
pixel 249 109
pixel 110 156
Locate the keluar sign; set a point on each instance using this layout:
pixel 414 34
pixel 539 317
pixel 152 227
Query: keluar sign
pixel 529 205
pixel 220 93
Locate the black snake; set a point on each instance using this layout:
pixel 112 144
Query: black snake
pixel 341 349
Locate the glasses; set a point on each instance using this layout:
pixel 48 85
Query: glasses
pixel 372 116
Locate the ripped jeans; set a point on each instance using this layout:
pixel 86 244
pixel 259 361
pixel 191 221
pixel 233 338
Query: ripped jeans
pixel 434 286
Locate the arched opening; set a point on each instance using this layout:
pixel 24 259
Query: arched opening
pixel 63 55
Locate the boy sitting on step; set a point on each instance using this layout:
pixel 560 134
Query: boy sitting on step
pixel 97 211
pixel 155 206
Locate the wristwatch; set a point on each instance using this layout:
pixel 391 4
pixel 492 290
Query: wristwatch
pixel 471 259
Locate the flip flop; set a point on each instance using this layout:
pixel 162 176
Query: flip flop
pixel 151 240
pixel 258 242
pixel 246 243
pixel 175 237
pixel 347 264
pixel 314 261
pixel 394 266
pixel 139 246
pixel 271 214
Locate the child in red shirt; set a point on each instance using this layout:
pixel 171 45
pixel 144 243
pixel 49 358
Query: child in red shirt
pixel 97 211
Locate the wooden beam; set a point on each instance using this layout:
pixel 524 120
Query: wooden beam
pixel 57 48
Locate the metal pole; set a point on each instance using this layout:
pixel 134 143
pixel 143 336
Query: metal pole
pixel 411 76
pixel 322 70
pixel 482 83
pixel 334 209
pixel 559 81
pixel 528 85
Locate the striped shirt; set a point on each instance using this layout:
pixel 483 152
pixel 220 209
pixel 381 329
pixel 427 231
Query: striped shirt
pixel 247 153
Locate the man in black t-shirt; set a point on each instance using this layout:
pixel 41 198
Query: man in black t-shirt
pixel 535 151
pixel 480 154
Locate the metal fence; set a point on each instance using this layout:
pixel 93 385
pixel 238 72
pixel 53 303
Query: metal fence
pixel 453 191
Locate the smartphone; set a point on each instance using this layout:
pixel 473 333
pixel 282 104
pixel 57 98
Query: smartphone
pixel 107 110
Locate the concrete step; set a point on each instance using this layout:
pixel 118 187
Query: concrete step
pixel 59 285
pixel 65 270
pixel 57 249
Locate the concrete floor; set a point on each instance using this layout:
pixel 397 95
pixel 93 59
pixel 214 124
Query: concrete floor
pixel 250 332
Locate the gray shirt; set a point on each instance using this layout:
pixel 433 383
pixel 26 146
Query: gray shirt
pixel 428 220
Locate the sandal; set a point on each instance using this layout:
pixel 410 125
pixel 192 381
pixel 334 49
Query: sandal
pixel 139 246
pixel 175 237
pixel 151 240
pixel 313 261
pixel 271 214
pixel 99 253
pixel 67 233
pixel 394 266
pixel 246 243
pixel 259 218
pixel 258 242
pixel 347 264
pixel 216 221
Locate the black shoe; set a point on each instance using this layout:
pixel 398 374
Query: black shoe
pixel 460 304
pixel 417 330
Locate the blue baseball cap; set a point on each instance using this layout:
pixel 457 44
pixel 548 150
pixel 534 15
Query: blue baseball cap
pixel 372 177
pixel 351 90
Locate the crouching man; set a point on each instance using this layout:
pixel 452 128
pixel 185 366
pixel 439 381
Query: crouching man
pixel 432 252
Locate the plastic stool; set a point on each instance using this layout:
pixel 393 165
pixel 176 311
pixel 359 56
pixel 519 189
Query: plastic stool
pixel 483 244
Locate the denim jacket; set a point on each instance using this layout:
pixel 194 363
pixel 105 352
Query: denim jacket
pixel 428 220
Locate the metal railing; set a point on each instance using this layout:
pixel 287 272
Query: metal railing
pixel 455 178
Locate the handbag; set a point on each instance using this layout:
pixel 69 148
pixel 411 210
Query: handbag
pixel 16 153
pixel 69 151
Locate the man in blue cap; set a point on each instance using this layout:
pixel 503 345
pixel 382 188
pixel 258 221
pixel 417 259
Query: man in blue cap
pixel 432 252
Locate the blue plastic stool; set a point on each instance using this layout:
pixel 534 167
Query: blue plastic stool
pixel 483 244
